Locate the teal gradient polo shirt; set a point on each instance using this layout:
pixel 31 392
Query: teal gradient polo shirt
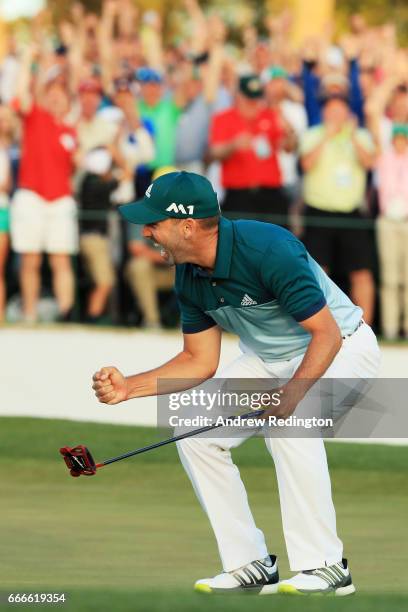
pixel 263 285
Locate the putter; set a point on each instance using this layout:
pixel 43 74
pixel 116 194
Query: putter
pixel 79 460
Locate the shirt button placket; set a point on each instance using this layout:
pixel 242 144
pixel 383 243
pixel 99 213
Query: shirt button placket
pixel 219 299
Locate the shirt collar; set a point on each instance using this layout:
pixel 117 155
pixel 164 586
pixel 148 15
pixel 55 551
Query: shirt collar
pixel 224 251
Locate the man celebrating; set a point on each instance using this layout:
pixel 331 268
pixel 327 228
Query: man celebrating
pixel 246 139
pixel 258 281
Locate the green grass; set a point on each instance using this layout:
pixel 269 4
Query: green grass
pixel 134 537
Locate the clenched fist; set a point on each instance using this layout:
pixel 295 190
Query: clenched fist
pixel 110 385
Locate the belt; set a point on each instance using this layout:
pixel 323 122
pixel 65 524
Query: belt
pixel 360 323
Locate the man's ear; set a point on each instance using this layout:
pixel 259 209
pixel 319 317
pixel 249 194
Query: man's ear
pixel 188 227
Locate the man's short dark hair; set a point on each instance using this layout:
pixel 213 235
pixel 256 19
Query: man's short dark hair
pixel 205 224
pixel 209 222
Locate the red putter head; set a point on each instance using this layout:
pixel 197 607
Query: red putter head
pixel 78 460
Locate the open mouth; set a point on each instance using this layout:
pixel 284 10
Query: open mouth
pixel 164 254
pixel 163 251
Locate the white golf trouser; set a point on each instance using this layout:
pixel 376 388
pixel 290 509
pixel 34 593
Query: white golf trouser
pixel 308 515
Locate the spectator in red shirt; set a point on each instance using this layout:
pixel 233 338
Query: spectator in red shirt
pixel 43 211
pixel 246 139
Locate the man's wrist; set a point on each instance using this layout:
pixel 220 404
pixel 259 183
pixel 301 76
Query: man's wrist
pixel 129 391
pixel 297 388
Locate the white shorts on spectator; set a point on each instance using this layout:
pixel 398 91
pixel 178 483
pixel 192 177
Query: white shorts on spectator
pixel 40 226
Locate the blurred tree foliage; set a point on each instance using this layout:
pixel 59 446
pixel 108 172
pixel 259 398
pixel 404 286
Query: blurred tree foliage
pixel 375 11
pixel 61 8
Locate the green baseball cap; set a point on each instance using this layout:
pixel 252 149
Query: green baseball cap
pixel 250 86
pixel 400 129
pixel 176 195
pixel 276 72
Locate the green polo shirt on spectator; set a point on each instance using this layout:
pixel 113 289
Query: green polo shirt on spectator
pixel 337 181
pixel 263 285
pixel 164 117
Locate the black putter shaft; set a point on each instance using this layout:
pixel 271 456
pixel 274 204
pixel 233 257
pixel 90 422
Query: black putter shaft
pixel 188 434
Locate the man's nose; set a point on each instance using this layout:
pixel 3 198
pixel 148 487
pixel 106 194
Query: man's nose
pixel 146 232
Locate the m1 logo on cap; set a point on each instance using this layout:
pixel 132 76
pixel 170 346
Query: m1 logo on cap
pixel 180 208
pixel 148 191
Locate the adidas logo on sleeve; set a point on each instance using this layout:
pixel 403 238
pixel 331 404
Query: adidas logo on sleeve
pixel 248 301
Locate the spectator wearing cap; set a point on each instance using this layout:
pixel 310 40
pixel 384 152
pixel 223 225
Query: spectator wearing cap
pixel 163 111
pixel 134 140
pixel 94 130
pixel 246 139
pixel 43 211
pixel 127 131
pixel 115 130
pixel 293 114
pixel 335 157
pixel 392 233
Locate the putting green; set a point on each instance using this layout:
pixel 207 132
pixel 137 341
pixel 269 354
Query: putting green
pixel 134 537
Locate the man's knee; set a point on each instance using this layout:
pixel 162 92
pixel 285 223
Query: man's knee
pixel 186 446
pixel 137 270
pixel 200 446
pixel 138 265
pixel 60 263
pixel 31 261
pixel 195 446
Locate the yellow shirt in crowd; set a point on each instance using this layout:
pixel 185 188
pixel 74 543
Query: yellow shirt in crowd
pixel 337 181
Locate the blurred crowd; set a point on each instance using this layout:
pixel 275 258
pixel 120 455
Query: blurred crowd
pixel 314 138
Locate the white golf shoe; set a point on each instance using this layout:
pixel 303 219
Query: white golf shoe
pixel 259 577
pixel 332 580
